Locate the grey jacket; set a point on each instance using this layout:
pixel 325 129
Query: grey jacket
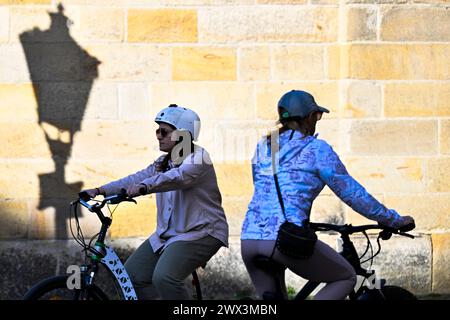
pixel 189 203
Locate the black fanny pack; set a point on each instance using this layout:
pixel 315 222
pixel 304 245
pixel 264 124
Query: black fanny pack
pixel 296 241
pixel 292 240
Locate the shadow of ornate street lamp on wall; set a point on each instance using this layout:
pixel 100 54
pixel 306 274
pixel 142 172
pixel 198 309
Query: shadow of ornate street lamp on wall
pixel 62 74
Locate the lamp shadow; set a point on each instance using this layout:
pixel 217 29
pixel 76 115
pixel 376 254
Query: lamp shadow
pixel 62 73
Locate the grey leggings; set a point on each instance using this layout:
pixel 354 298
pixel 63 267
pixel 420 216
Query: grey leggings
pixel 325 265
pixel 165 273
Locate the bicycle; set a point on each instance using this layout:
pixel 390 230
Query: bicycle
pixel 371 292
pixel 58 287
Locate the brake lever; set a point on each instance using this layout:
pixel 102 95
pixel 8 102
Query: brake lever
pixel 387 234
pixel 406 235
pixel 131 200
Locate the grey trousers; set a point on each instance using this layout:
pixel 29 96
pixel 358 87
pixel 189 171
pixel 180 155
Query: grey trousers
pixel 163 275
pixel 325 265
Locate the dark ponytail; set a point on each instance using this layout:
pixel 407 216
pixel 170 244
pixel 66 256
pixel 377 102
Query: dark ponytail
pixel 284 123
pixel 163 166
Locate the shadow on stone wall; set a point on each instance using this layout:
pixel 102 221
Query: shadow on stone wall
pixel 14 221
pixel 62 74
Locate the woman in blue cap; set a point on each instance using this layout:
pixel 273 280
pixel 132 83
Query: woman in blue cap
pixel 191 224
pixel 304 165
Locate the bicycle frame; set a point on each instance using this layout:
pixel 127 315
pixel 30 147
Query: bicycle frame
pixel 108 257
pixel 105 255
pixel 81 284
pixel 115 266
pixel 350 254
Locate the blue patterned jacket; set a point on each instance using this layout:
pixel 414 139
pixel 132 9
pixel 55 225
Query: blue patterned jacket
pixel 305 166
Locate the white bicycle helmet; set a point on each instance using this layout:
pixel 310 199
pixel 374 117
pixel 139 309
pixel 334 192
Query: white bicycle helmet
pixel 181 118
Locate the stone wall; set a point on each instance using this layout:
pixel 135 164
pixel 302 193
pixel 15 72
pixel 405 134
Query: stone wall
pixel 80 85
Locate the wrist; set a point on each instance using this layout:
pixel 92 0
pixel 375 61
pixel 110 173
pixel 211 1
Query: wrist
pixel 143 188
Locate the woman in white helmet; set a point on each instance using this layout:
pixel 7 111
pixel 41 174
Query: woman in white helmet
pixel 191 223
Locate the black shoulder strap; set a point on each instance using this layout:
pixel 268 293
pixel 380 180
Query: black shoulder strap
pixel 273 151
pixel 275 177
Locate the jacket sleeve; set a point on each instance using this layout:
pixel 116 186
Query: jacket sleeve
pixel 334 174
pixel 135 178
pixel 182 177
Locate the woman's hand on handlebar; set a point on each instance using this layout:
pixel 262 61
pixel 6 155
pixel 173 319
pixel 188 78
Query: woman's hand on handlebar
pixel 88 194
pixel 404 224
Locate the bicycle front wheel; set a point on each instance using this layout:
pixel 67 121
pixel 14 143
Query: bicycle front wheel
pixel 397 293
pixel 55 288
pixel 388 293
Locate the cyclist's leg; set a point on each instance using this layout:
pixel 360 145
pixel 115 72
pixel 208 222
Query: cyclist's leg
pixel 178 260
pixel 263 280
pixel 325 265
pixel 140 266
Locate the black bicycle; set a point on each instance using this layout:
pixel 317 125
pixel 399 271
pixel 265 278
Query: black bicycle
pixel 377 291
pixel 80 285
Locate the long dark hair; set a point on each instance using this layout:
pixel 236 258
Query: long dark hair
pixel 284 127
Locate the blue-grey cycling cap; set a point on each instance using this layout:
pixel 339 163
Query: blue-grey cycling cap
pixel 297 104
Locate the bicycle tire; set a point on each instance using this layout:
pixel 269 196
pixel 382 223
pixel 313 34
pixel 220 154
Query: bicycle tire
pixel 397 293
pixel 45 286
pixel 389 293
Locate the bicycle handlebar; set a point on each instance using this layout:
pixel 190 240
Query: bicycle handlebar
pixel 113 199
pixel 349 229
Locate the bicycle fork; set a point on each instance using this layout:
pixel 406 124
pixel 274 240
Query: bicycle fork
pixel 350 254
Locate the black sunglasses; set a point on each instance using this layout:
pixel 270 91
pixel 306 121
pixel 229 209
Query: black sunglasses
pixel 163 132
